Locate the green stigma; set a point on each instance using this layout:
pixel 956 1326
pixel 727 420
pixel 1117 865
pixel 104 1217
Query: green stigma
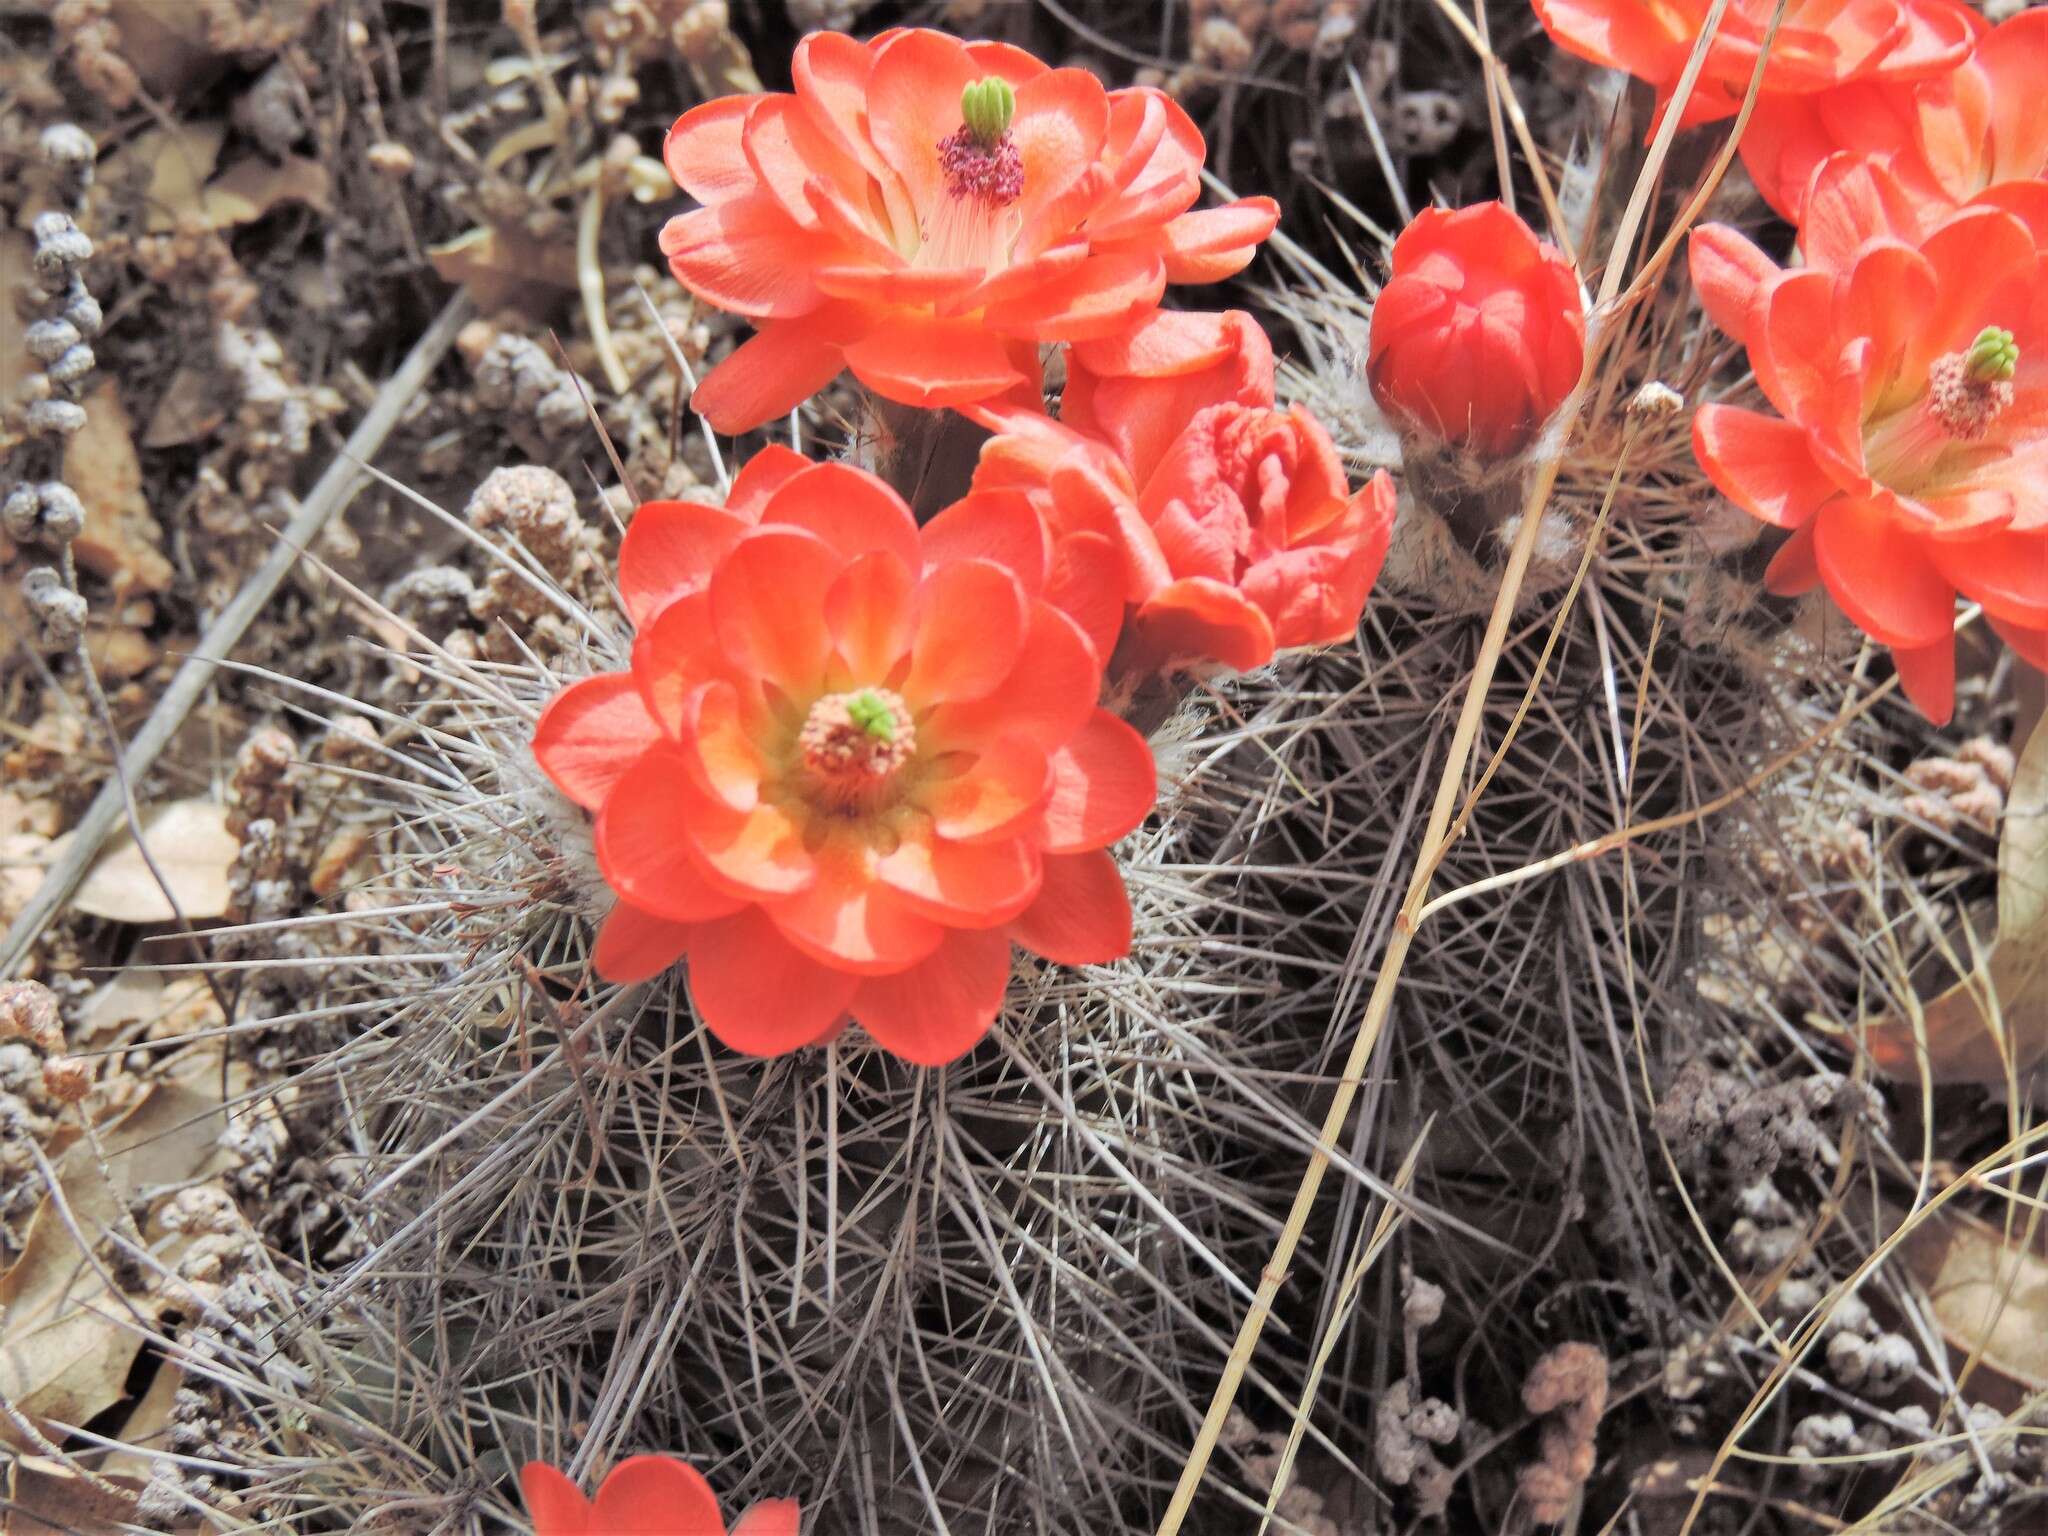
pixel 872 716
pixel 1992 356
pixel 986 107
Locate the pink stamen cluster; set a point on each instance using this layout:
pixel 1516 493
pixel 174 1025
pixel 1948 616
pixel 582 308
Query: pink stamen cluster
pixel 993 173
pixel 1964 404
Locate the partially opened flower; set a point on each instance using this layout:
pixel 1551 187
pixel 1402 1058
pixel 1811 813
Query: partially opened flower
pixel 643 1496
pixel 1820 43
pixel 1230 523
pixel 1480 333
pixel 1911 371
pixel 927 212
pixel 1946 137
pixel 854 760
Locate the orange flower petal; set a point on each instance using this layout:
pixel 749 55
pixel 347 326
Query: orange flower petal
pixel 556 1504
pixel 747 256
pixel 722 760
pixel 591 733
pixel 911 287
pixel 1008 782
pixel 1928 676
pixel 1006 61
pixel 933 363
pixel 674 656
pixel 788 154
pixel 1103 783
pixel 1024 278
pixel 643 836
pixel 969 885
pixel 1211 244
pixel 2006 572
pixel 768 603
pixel 1763 464
pixel 758 993
pixel 1086 584
pixel 656 1496
pixel 968 634
pixel 1082 915
pixel 704 153
pixel 1098 298
pixel 1313 594
pixel 633 946
pixel 871 612
pixel 1881 576
pixel 2029 641
pixel 756 854
pixel 670 550
pixel 1728 273
pixel 761 477
pixel 1045 699
pixel 1196 619
pixel 769 375
pixel 1170 342
pixel 913 102
pixel 1061 120
pixel 995 525
pixel 770 1517
pixel 849 921
pixel 1793 571
pixel 939 1010
pixel 849 509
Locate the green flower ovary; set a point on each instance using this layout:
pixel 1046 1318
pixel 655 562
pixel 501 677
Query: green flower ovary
pixel 1993 356
pixel 986 107
pixel 872 716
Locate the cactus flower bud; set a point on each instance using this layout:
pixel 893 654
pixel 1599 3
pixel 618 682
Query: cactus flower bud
pixel 1479 334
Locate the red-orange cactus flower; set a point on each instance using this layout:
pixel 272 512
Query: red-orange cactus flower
pixel 854 760
pixel 1820 44
pixel 926 212
pixel 1479 334
pixel 643 1496
pixel 1230 522
pixel 1946 138
pixel 1911 371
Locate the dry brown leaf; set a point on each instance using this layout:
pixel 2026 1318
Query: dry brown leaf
pixel 165 42
pixel 66 1341
pixel 503 267
pixel 143 1003
pixel 251 187
pixel 46 1498
pixel 122 540
pixel 173 43
pixel 175 164
pixel 147 1425
pixel 190 409
pixel 1990 1297
pixel 192 846
pixel 1962 1044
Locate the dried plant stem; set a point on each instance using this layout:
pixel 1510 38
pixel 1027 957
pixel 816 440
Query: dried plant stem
pixel 327 497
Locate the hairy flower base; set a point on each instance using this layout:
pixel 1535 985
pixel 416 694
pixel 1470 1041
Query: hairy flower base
pixel 853 762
